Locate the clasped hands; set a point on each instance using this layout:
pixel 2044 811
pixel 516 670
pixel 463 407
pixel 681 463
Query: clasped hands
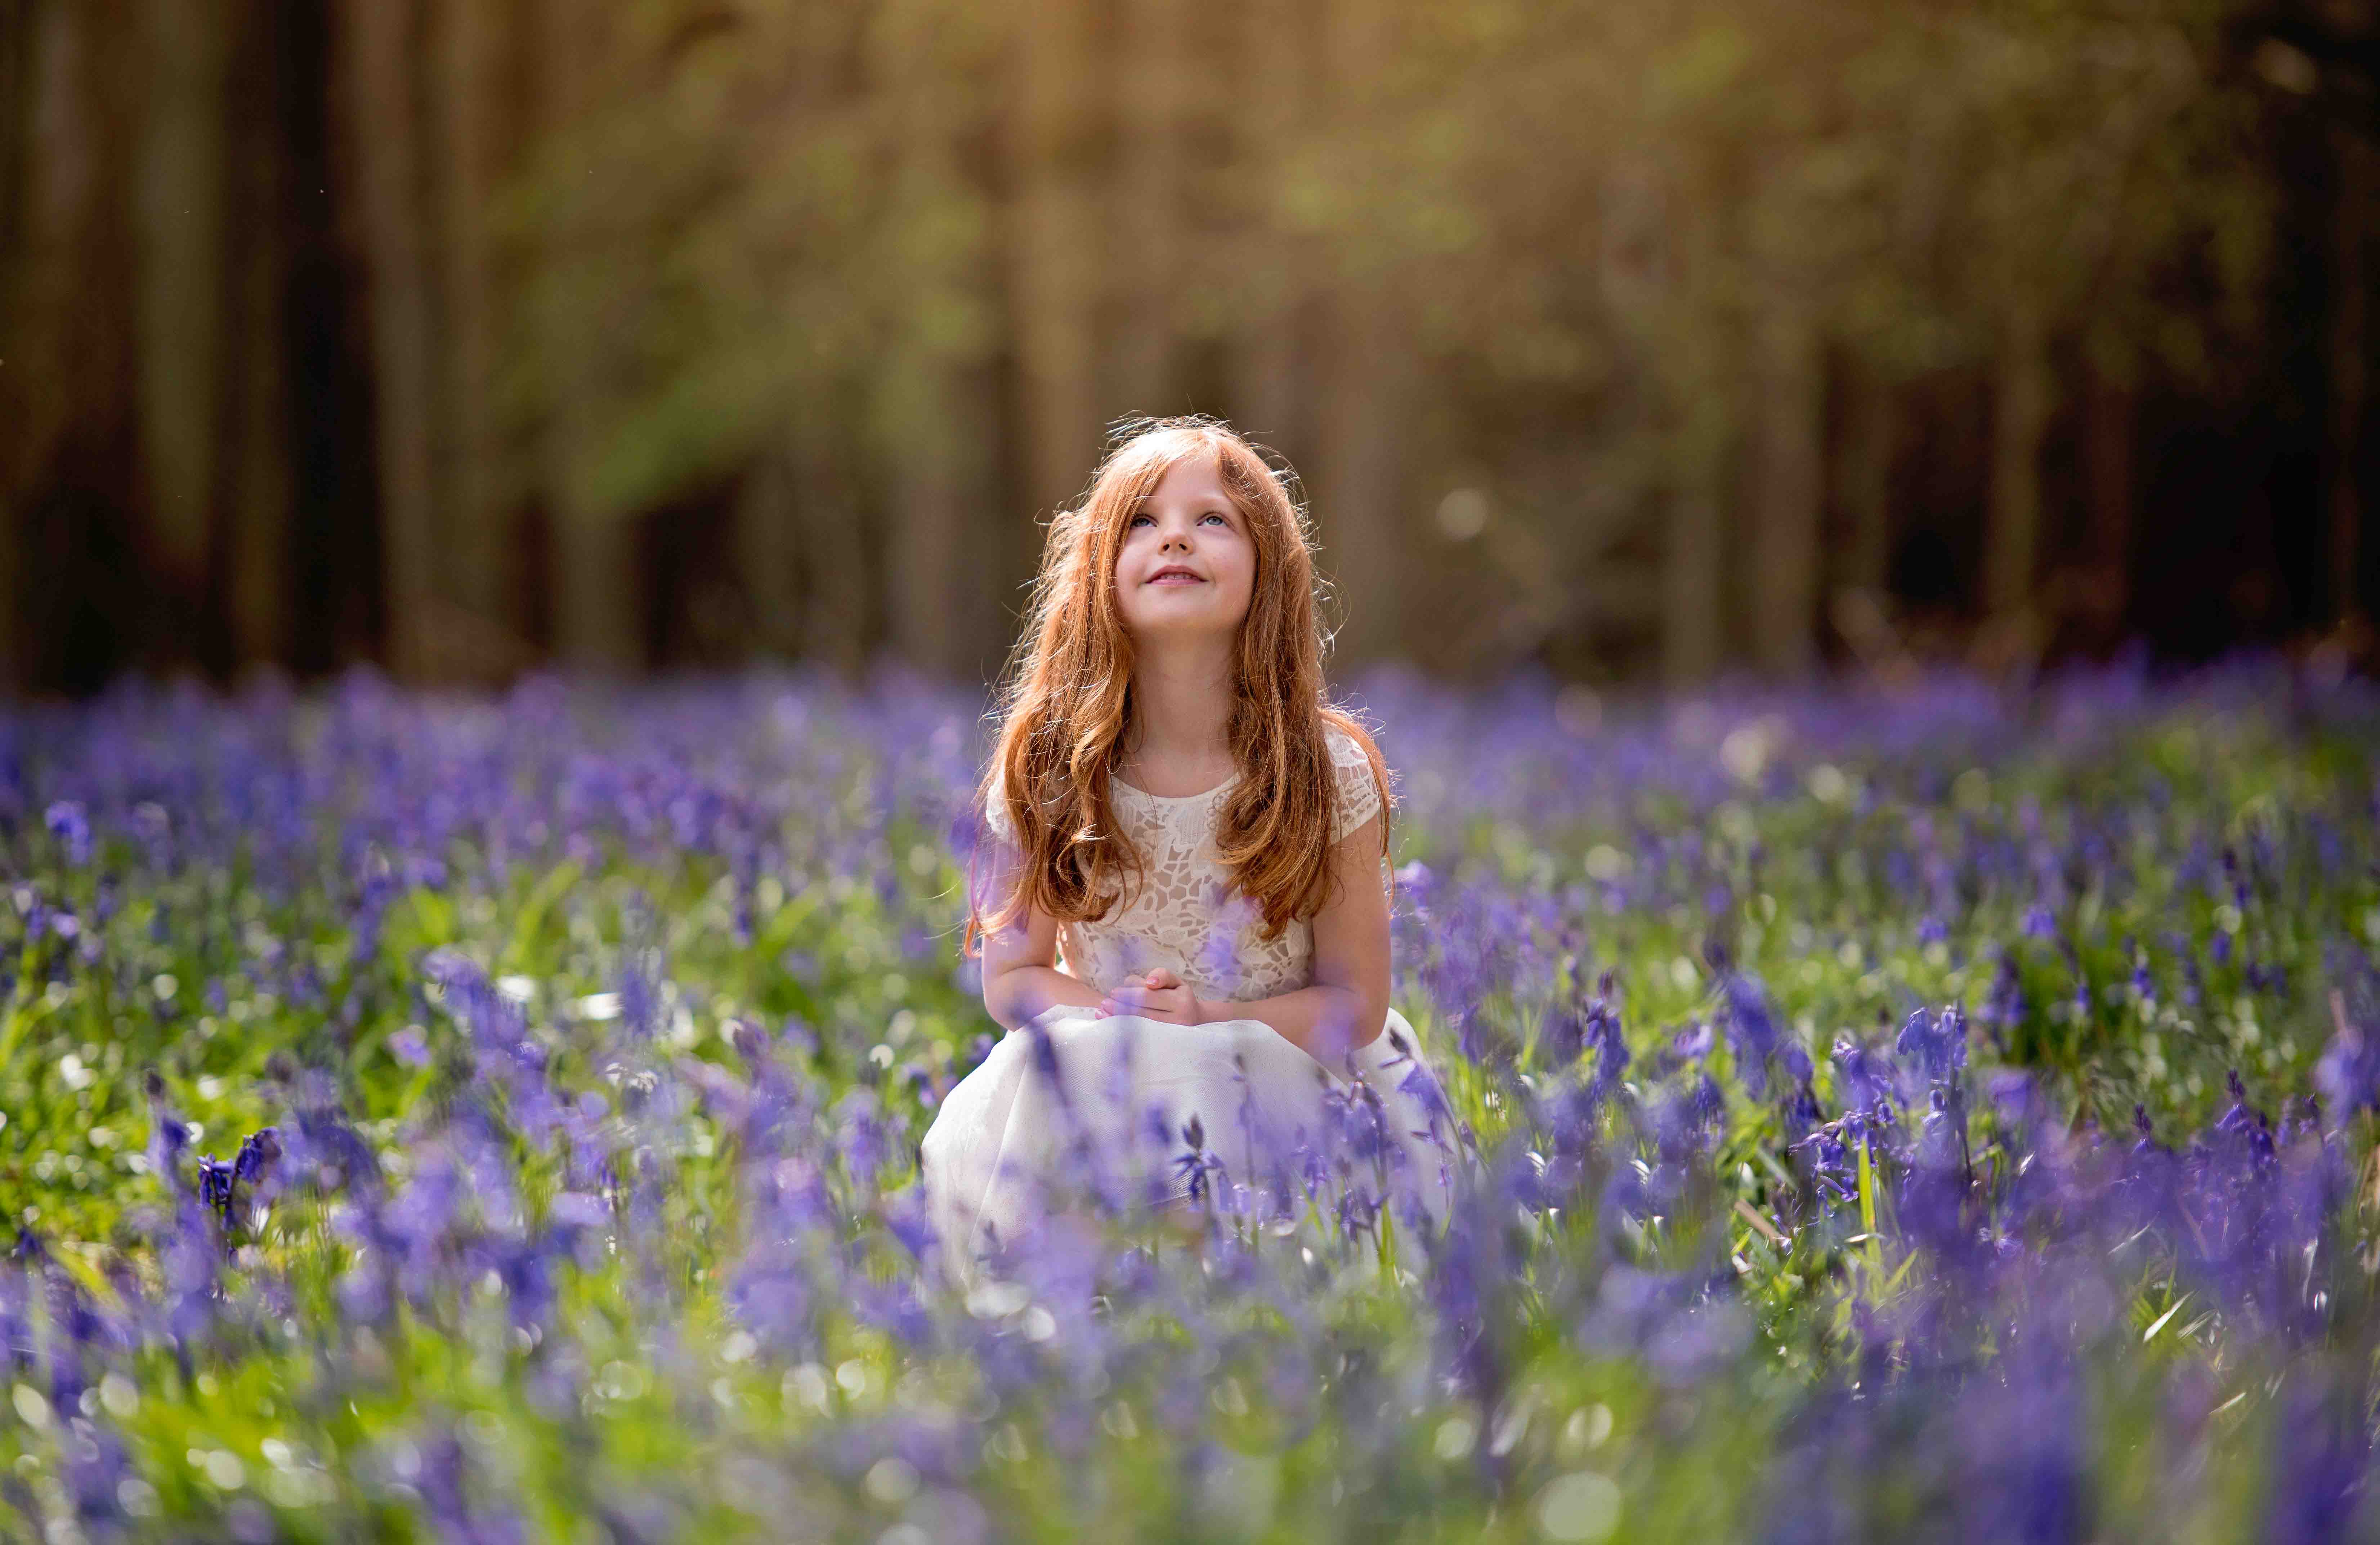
pixel 1157 993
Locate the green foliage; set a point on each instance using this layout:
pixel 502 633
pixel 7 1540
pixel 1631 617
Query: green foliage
pixel 780 227
pixel 1318 1411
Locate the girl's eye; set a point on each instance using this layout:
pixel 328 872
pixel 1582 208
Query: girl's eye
pixel 1210 514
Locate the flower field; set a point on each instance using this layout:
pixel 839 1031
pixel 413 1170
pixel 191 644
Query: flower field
pixel 1911 1113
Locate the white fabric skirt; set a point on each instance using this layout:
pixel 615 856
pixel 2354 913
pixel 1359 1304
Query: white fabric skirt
pixel 1107 1102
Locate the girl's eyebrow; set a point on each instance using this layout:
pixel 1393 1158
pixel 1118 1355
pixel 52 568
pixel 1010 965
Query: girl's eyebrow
pixel 1221 509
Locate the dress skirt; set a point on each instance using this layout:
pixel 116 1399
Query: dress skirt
pixel 1109 1105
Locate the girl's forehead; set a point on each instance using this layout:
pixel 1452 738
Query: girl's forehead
pixel 1196 473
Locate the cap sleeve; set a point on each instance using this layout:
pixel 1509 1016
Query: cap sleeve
pixel 1358 796
pixel 995 809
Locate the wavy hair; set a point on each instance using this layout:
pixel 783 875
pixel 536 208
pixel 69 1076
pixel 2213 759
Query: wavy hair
pixel 1066 702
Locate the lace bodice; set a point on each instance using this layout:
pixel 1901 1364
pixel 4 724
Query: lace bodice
pixel 1181 916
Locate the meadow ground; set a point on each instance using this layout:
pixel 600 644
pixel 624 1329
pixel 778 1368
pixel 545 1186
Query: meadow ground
pixel 1915 1111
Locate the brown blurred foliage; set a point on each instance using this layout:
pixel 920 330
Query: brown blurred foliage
pixel 1642 339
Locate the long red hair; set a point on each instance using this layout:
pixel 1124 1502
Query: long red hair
pixel 1066 702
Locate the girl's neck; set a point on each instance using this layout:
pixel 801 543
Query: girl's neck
pixel 1182 712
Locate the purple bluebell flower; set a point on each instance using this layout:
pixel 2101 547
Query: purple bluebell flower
pixel 72 827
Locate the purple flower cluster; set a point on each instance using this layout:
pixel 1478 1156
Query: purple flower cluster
pixel 1818 1102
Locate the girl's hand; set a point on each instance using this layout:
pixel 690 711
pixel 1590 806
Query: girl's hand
pixel 1157 994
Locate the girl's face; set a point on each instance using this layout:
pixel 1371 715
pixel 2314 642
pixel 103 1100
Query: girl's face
pixel 1187 567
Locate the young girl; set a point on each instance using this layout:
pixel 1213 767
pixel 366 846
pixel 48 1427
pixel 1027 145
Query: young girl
pixel 1174 806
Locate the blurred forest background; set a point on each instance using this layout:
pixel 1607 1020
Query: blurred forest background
pixel 1643 339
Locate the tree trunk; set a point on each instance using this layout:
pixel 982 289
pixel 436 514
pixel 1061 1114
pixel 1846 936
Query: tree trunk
pixel 835 604
pixel 2110 431
pixel 1151 103
pixel 598 616
pixel 1367 392
pixel 1366 418
pixel 765 555
pixel 931 563
pixel 1789 490
pixel 249 575
pixel 1269 399
pixel 2348 349
pixel 178 200
pixel 70 391
pixel 1866 486
pixel 598 622
pixel 22 26
pixel 2020 405
pixel 257 506
pixel 382 57
pixel 471 504
pixel 1662 257
pixel 1053 250
pixel 941 569
pixel 1693 617
pixel 335 600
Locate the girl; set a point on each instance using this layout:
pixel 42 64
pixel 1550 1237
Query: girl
pixel 1176 810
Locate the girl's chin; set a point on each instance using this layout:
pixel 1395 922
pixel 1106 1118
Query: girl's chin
pixel 1180 624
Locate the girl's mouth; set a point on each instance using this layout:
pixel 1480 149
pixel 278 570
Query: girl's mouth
pixel 1175 577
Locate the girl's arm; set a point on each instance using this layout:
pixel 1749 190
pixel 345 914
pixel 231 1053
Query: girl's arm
pixel 1348 1004
pixel 1020 975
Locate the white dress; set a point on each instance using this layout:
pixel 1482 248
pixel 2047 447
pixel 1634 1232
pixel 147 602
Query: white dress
pixel 1109 1100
